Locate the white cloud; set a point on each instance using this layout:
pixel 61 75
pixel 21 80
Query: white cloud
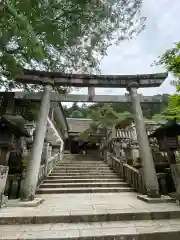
pixel 137 55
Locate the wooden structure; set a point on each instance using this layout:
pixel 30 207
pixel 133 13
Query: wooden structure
pixel 10 134
pixel 167 137
pixel 75 143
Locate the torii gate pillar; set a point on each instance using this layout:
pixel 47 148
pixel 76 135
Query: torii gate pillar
pixel 149 172
pixel 31 179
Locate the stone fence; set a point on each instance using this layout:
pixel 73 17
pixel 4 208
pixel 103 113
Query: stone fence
pixel 45 169
pixel 128 173
pixel 14 182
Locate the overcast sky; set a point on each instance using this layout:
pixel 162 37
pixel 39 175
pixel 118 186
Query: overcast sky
pixel 137 55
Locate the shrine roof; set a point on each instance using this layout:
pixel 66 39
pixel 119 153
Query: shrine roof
pixel 128 122
pixel 78 125
pixel 16 124
pixel 170 128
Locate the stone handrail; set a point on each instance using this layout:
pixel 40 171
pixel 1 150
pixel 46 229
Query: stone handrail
pixel 42 173
pixel 52 162
pixel 129 174
pixel 45 169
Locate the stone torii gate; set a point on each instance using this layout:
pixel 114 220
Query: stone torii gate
pixel 54 79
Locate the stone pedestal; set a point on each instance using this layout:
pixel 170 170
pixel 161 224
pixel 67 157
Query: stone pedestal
pixel 161 199
pixel 175 169
pixel 17 203
pixel 3 177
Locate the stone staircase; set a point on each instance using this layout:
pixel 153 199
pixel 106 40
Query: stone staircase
pixel 86 200
pixel 83 177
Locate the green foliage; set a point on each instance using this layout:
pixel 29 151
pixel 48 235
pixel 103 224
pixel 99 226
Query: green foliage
pixel 170 60
pixel 77 114
pixel 159 117
pixel 27 108
pixel 104 118
pixel 173 109
pixel 149 110
pixel 62 35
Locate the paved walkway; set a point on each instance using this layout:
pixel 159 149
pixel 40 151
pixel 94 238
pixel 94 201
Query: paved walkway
pixel 110 213
pixel 84 204
pixel 87 203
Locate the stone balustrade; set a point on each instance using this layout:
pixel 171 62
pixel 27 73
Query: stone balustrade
pixel 45 169
pixel 42 173
pixel 130 174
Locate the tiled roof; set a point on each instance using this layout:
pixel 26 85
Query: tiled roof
pixel 78 125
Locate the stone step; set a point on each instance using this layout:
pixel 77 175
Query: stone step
pixel 83 162
pixel 81 165
pixel 83 190
pixel 67 163
pixel 133 230
pixel 103 164
pixel 84 185
pixel 83 174
pixel 81 168
pixel 112 176
pixel 84 216
pixel 90 180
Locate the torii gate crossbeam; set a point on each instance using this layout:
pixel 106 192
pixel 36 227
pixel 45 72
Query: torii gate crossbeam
pixel 56 97
pixel 86 80
pixel 131 82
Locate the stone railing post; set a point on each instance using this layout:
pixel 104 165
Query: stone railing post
pixel 46 155
pixel 149 172
pixel 57 150
pixel 31 178
pixel 49 152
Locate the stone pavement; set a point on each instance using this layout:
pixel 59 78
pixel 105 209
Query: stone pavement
pixel 86 200
pixel 91 216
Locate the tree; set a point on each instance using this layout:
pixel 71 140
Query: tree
pixel 149 110
pixel 159 118
pixel 62 35
pixel 104 118
pixel 170 60
pixel 74 107
pixel 77 114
